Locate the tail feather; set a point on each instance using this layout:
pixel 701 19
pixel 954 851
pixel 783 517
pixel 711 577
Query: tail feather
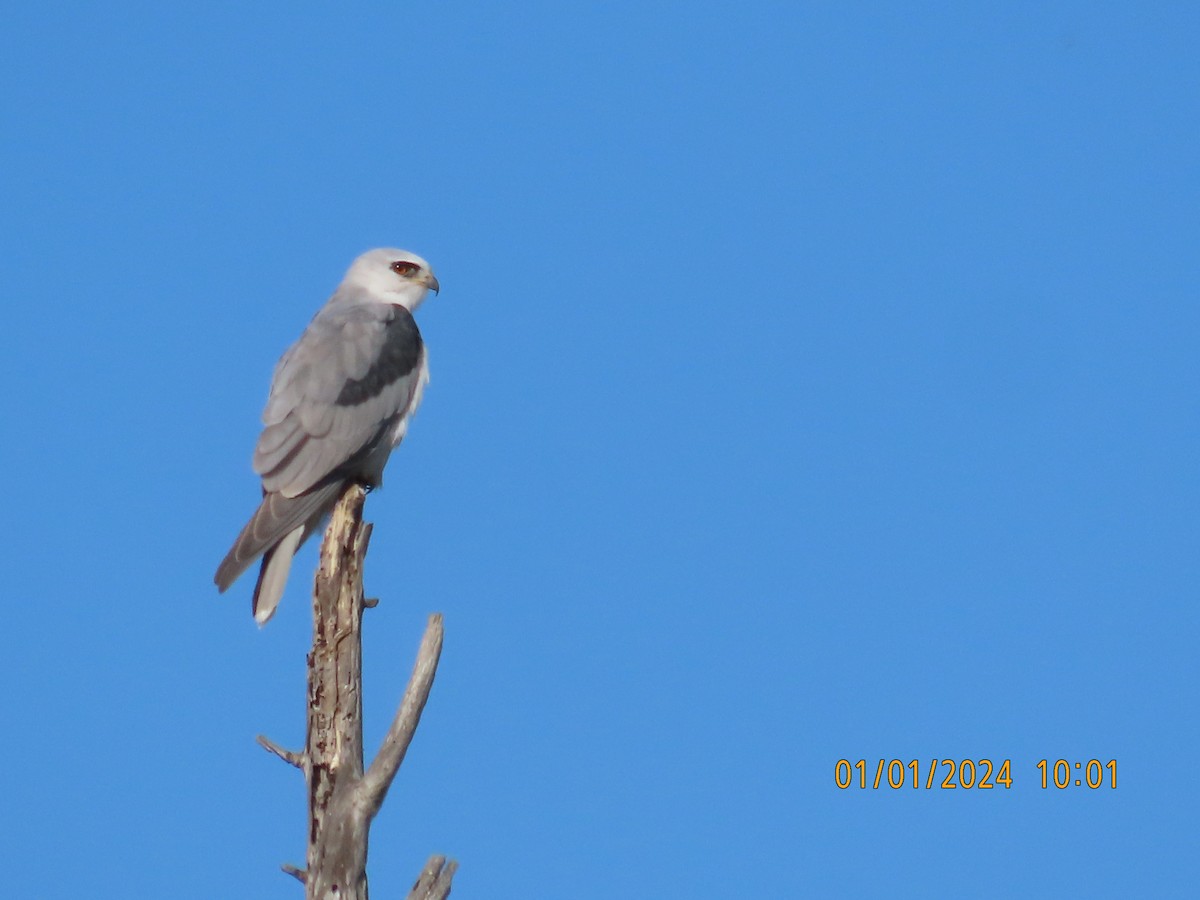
pixel 278 518
pixel 272 577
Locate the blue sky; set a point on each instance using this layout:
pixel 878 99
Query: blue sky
pixel 810 381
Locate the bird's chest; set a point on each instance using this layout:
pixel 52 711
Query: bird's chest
pixel 422 379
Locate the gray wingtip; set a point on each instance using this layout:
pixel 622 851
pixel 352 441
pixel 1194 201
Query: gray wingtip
pixel 224 578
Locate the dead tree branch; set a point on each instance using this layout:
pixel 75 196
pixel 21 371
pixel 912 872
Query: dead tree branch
pixel 434 883
pixel 378 778
pixel 342 799
pixel 291 757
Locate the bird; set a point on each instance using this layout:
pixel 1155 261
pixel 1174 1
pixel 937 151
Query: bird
pixel 340 401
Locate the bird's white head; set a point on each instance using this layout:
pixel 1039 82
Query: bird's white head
pixel 391 276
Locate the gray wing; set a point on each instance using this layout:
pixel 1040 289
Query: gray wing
pixel 337 394
pixel 276 518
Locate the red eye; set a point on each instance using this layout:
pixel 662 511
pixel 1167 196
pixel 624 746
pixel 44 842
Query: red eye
pixel 403 267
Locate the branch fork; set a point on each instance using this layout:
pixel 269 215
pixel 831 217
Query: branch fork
pixel 343 799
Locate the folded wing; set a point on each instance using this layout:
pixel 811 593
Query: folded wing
pixel 340 401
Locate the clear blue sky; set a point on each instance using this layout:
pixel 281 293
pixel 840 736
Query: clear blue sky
pixel 810 381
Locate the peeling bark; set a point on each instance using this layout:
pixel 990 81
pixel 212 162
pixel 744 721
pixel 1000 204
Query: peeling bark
pixel 342 798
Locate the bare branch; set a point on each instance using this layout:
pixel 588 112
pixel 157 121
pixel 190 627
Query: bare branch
pixel 434 883
pixel 296 872
pixel 378 778
pixel 337 845
pixel 291 757
pixel 342 798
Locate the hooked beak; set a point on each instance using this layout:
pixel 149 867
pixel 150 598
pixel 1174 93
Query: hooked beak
pixel 432 283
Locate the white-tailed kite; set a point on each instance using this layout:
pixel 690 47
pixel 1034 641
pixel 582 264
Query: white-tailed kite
pixel 340 402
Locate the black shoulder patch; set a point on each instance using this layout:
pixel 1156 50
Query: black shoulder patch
pixel 398 357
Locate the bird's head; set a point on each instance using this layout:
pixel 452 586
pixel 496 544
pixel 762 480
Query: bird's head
pixel 392 276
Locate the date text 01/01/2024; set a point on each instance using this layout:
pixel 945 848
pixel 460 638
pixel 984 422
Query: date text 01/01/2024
pixel 981 774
